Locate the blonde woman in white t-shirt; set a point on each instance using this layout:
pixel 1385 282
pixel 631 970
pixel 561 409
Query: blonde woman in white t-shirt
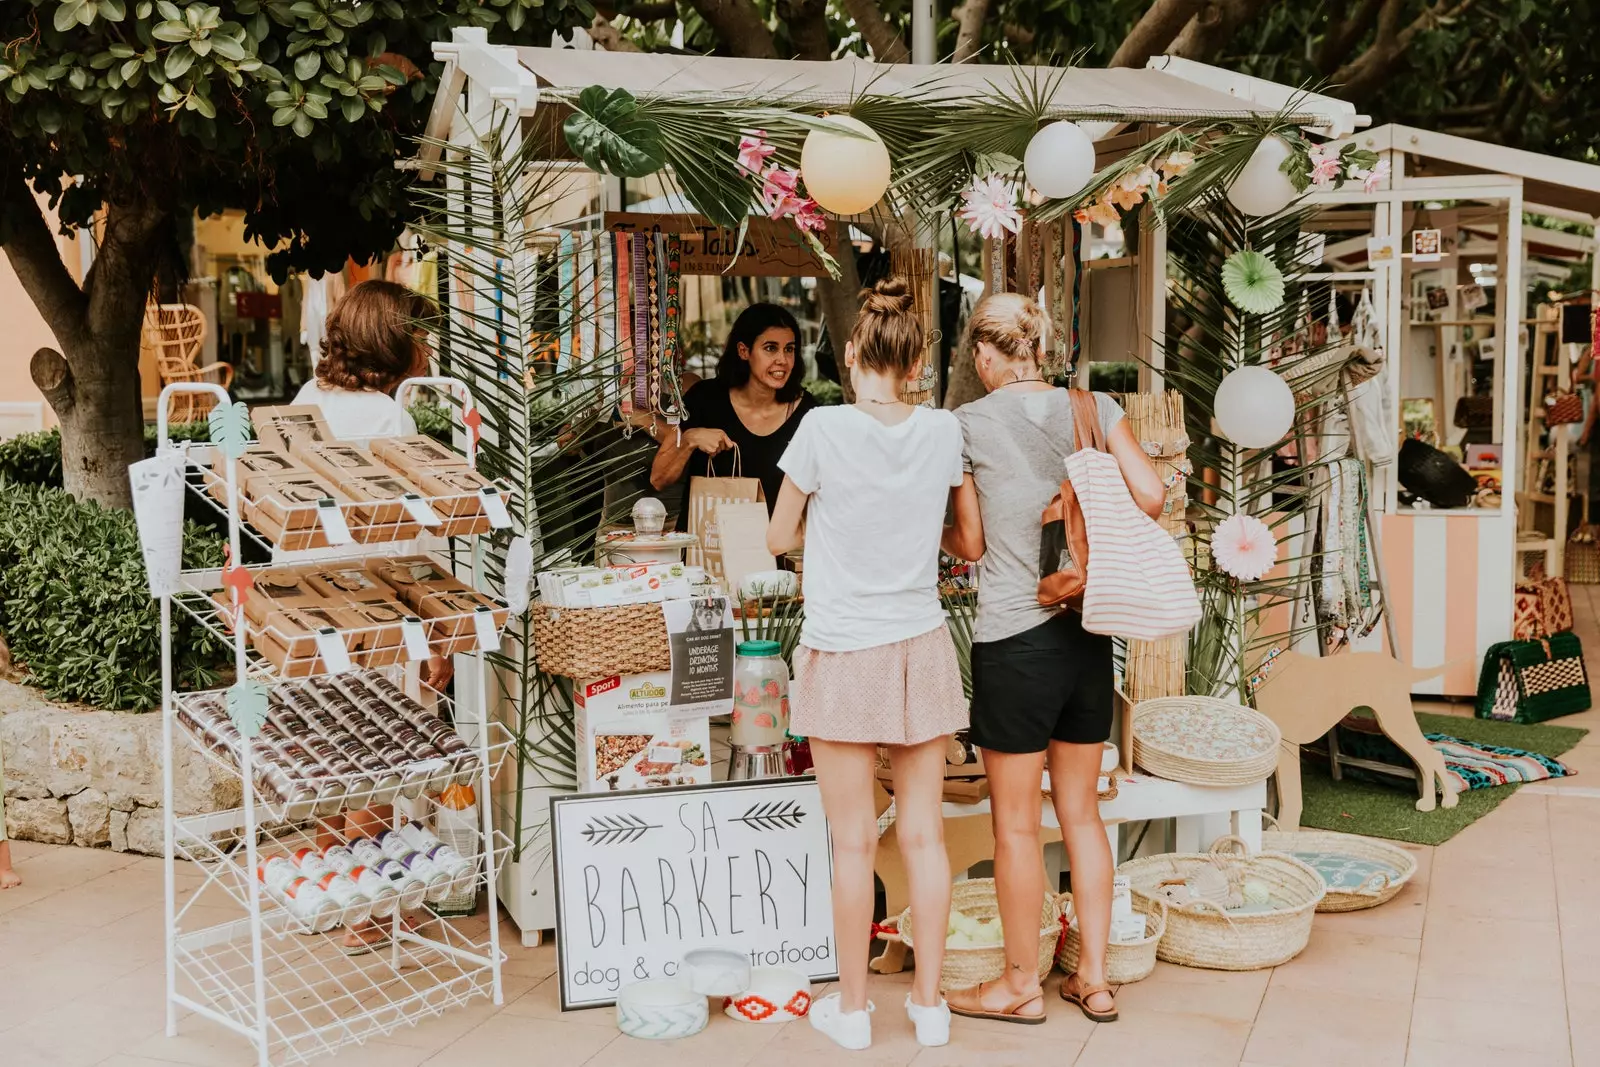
pixel 875 664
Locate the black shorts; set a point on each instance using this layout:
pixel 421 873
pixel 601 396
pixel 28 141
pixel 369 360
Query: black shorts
pixel 1051 683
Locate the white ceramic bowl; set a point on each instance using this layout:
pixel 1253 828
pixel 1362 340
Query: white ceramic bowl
pixel 716 972
pixel 660 1010
pixel 1109 758
pixel 776 995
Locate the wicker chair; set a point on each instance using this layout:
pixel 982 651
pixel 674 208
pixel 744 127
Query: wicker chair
pixel 175 334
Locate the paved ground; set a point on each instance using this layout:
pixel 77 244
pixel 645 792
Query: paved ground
pixel 1488 957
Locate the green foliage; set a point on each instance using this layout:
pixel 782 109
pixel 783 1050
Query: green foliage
pixel 825 391
pixel 607 131
pixel 293 110
pixel 35 458
pixel 75 607
pixel 434 420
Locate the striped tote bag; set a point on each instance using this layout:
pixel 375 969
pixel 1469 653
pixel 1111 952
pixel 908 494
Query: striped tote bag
pixel 1138 587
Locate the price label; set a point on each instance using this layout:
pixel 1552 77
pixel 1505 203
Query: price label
pixel 419 510
pixel 330 646
pixel 332 521
pixel 494 506
pixel 488 636
pixel 416 638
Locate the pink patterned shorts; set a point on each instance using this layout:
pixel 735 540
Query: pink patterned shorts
pixel 903 693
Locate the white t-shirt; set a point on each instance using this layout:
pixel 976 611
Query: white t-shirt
pixel 878 496
pixel 356 415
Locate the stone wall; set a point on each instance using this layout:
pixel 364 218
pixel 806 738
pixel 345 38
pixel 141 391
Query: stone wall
pixel 81 776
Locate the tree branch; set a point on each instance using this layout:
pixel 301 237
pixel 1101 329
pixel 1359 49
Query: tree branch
pixel 1213 27
pixel 739 26
pixel 1343 35
pixel 32 250
pixel 1154 31
pixel 118 284
pixel 887 45
pixel 649 12
pixel 808 27
pixel 969 29
pixel 1363 75
pixel 50 373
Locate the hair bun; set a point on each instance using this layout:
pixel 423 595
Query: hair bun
pixel 891 296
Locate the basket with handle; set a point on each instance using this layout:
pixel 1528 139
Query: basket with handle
pixel 1375 887
pixel 1128 961
pixel 1205 934
pixel 966 967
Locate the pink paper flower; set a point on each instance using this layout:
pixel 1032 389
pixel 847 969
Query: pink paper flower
pixel 990 207
pixel 753 151
pixel 809 217
pixel 1376 177
pixel 1244 547
pixel 780 192
pixel 1324 166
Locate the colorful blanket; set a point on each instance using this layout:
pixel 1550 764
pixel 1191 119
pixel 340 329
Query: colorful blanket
pixel 1472 765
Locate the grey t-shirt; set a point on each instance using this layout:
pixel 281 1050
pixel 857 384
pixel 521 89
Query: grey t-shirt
pixel 1014 443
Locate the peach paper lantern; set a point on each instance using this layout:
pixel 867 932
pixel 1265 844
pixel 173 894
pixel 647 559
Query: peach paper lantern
pixel 845 175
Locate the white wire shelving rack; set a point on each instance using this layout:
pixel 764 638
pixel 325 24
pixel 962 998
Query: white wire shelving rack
pixel 279 979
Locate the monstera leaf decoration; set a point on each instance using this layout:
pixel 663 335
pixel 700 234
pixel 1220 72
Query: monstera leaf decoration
pixel 607 131
pixel 230 428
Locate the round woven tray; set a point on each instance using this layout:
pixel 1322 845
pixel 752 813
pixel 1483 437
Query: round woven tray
pixel 966 967
pixel 1375 886
pixel 599 642
pixel 1203 934
pixel 1131 961
pixel 1204 741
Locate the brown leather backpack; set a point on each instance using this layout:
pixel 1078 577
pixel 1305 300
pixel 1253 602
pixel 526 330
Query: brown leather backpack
pixel 1063 536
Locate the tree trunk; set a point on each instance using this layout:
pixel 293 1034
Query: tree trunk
pixel 102 417
pixel 840 305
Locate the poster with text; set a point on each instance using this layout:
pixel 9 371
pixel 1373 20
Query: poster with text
pixel 700 637
pixel 643 877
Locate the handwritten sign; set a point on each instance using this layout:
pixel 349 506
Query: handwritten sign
pixel 769 249
pixel 643 877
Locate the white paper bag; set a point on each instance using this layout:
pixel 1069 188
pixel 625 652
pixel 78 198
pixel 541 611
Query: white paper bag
pixel 158 511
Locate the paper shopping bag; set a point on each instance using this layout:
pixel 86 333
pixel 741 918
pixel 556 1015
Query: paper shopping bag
pixel 706 493
pixel 742 532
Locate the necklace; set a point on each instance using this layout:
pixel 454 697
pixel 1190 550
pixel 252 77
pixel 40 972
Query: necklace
pixel 875 400
pixel 1018 381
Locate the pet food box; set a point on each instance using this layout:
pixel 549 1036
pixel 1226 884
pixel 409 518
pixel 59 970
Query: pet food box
pixel 629 738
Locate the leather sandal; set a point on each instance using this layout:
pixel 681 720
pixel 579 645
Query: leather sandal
pixel 968 1003
pixel 1075 990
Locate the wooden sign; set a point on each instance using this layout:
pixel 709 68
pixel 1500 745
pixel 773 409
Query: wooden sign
pixel 642 877
pixel 770 249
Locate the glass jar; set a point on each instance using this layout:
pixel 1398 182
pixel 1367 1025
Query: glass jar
pixel 760 696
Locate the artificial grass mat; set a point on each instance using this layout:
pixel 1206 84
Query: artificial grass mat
pixel 1389 809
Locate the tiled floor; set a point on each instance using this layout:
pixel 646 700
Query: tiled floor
pixel 1488 957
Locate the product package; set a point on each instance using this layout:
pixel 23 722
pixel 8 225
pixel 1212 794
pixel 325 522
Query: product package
pixel 433 593
pixel 374 488
pixel 628 737
pixel 416 452
pixel 283 507
pixel 281 427
pixel 441 474
pixel 255 460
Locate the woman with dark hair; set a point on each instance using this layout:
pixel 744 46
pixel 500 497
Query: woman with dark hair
pixel 754 404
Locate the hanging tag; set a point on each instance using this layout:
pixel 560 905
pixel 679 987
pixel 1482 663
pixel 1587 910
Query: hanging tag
pixel 332 521
pixel 420 512
pixel 488 636
pixel 416 638
pixel 495 507
pixel 330 646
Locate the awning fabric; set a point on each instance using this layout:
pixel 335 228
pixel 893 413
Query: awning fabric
pixel 1123 94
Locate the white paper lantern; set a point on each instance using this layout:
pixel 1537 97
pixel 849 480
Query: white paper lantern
pixel 1060 160
pixel 1262 188
pixel 843 174
pixel 1254 407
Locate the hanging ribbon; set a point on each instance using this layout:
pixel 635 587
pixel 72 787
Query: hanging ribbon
pixel 672 358
pixel 624 312
pixel 1077 289
pixel 641 323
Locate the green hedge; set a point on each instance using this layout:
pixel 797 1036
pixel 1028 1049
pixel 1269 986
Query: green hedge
pixel 75 607
pixel 35 458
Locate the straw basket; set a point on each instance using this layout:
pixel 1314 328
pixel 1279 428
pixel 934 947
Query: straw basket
pixel 599 642
pixel 1203 934
pixel 1321 850
pixel 1204 741
pixel 966 967
pixel 1581 563
pixel 1130 961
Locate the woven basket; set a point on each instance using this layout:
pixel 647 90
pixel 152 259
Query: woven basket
pixel 966 967
pixel 1581 562
pixel 1174 765
pixel 1205 935
pixel 1377 889
pixel 1128 962
pixel 599 642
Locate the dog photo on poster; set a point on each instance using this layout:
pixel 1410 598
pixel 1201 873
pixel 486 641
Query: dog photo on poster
pixel 643 877
pixel 700 637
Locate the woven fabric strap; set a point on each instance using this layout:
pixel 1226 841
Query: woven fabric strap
pixel 624 310
pixel 641 322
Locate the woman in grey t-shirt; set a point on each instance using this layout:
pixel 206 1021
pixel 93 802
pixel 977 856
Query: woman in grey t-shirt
pixel 1041 685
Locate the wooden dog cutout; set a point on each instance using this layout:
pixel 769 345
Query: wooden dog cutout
pixel 1308 696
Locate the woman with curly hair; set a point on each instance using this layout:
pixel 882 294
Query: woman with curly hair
pixel 375 341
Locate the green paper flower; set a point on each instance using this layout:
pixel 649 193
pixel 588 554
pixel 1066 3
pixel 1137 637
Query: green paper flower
pixel 1253 283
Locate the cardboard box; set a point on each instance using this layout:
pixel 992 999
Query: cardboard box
pixel 627 737
pixel 377 617
pixel 280 589
pixel 453 494
pixel 338 461
pixel 413 577
pixel 280 427
pixel 256 460
pixel 295 628
pixel 283 507
pixel 378 510
pixel 341 581
pixel 416 452
pixel 279 657
pixel 456 631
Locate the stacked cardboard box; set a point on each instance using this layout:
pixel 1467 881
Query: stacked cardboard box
pixel 443 476
pixel 438 597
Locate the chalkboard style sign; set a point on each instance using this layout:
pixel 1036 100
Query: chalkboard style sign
pixel 643 877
